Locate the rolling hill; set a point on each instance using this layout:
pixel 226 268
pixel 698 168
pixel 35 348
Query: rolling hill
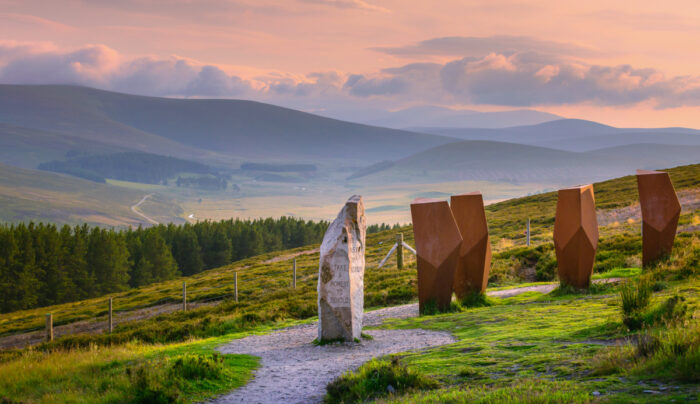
pixel 42 196
pixel 574 135
pixel 200 129
pixel 482 160
pixel 441 117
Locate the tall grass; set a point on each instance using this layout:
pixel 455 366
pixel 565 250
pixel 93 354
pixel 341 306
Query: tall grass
pixel 375 379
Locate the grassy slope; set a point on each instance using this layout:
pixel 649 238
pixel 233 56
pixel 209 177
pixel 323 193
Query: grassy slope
pixel 549 348
pixel 506 224
pixel 42 196
pixel 267 300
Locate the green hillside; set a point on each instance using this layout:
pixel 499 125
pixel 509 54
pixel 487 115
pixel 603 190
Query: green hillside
pixel 555 348
pixel 27 195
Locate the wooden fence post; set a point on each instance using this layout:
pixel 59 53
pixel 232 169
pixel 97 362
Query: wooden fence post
pixel 294 276
pixel 184 296
pixel 49 327
pixel 235 285
pixel 399 251
pixel 109 327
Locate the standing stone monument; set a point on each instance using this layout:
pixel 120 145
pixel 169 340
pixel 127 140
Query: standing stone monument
pixel 437 247
pixel 474 264
pixel 341 273
pixel 660 212
pixel 576 235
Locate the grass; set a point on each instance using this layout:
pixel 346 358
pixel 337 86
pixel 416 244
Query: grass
pixel 537 346
pixel 562 347
pixel 131 372
pixel 374 379
pixel 42 196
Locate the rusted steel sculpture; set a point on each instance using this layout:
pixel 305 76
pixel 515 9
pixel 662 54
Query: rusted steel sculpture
pixel 660 212
pixel 437 246
pixel 341 274
pixel 474 263
pixel 576 235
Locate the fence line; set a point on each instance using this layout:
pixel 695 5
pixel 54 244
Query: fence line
pixel 187 298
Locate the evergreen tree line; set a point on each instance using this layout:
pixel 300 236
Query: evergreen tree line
pixel 127 166
pixel 42 264
pixel 203 181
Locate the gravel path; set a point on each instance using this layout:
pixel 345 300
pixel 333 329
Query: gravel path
pixel 293 370
pixel 296 371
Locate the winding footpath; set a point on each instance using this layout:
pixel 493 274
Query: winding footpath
pixel 135 209
pixel 293 370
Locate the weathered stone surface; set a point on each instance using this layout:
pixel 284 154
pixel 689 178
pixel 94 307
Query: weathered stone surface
pixel 576 235
pixel 472 272
pixel 660 212
pixel 437 246
pixel 341 274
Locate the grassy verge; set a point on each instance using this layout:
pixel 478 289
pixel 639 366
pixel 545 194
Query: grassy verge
pixel 131 372
pixel 569 346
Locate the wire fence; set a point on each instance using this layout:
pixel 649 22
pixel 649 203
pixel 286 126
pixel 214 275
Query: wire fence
pixel 241 285
pixel 188 298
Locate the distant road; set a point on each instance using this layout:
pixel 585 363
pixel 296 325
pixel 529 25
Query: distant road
pixel 136 210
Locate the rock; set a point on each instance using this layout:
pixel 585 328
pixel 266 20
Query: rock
pixel 341 274
pixel 596 393
pixel 390 389
pixel 651 392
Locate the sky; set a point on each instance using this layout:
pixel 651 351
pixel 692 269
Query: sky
pixel 625 63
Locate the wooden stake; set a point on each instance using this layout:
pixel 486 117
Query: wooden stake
pixel 399 251
pixel 49 327
pixel 109 328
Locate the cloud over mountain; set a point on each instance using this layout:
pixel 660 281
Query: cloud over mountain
pixel 507 78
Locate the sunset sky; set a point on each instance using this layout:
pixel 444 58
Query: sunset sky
pixel 626 63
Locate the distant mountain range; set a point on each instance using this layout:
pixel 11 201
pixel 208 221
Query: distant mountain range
pixel 219 130
pixel 441 117
pixel 574 135
pixel 74 130
pixel 480 160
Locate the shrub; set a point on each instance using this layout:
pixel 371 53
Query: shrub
pixel 150 386
pixel 190 366
pixel 634 298
pixel 375 379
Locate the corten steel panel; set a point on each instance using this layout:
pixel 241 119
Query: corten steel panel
pixel 437 241
pixel 576 235
pixel 660 212
pixel 474 263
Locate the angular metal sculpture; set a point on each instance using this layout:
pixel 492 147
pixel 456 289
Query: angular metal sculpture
pixel 576 235
pixel 474 263
pixel 660 212
pixel 437 247
pixel 341 274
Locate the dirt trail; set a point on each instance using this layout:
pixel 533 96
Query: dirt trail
pixel 296 371
pixel 539 288
pixel 135 209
